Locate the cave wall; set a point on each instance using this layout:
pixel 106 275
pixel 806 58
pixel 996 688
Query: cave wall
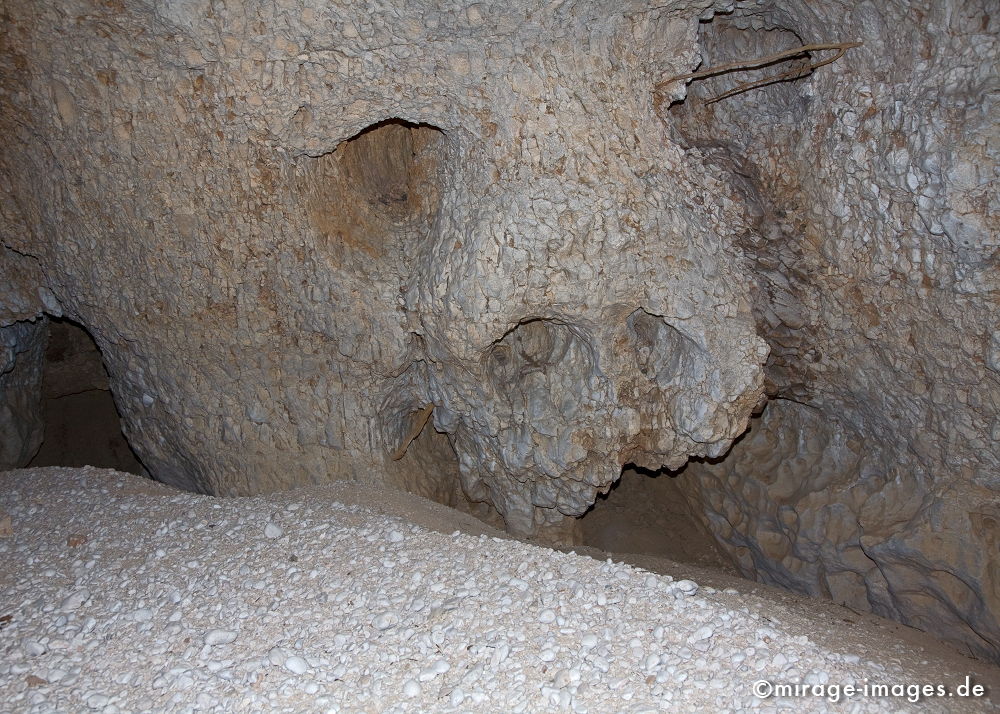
pixel 292 228
pixel 22 349
pixel 22 346
pixel 875 478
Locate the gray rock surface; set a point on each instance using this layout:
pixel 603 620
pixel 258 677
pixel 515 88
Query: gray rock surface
pixel 872 190
pixel 292 230
pixel 22 347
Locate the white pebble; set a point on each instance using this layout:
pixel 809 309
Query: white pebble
pixel 219 637
pixel 702 633
pixel 33 648
pixel 276 656
pixel 98 701
pixel 429 673
pixel 688 587
pixel 75 600
pixel 204 701
pixel 273 530
pixel 411 688
pixel 296 665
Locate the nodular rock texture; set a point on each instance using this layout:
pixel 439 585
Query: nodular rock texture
pixel 312 240
pixel 876 480
pixel 21 348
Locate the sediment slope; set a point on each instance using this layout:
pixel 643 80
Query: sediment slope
pixel 119 594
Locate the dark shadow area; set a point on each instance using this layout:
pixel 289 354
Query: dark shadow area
pixel 392 166
pixel 433 473
pixel 647 512
pixel 82 424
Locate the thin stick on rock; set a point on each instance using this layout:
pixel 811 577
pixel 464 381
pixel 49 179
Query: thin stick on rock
pixel 417 426
pixel 746 65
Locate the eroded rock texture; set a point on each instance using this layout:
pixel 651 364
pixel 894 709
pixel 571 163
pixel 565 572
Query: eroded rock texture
pixel 22 340
pixel 876 245
pixel 308 237
pixel 22 348
pixel 292 229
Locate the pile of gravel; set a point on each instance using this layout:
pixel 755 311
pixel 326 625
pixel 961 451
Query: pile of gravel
pixel 119 596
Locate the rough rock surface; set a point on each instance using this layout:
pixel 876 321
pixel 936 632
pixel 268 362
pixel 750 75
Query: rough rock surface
pixel 292 228
pixel 22 345
pixel 872 188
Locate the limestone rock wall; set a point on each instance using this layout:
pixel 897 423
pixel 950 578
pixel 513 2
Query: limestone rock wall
pixel 291 229
pixel 22 351
pixel 872 188
pixel 304 233
pixel 22 341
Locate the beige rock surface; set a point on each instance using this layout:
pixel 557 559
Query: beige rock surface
pixel 290 229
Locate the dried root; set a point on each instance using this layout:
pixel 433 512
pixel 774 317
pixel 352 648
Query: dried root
pixel 800 70
pixel 416 426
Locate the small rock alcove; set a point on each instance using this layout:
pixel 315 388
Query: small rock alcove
pixel 779 95
pixel 376 189
pixel 649 513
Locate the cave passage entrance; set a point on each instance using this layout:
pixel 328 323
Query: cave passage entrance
pixel 82 424
pixel 645 513
pixel 648 513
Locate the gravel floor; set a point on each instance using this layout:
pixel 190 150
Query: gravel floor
pixel 119 595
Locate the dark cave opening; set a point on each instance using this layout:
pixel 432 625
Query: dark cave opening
pixel 651 513
pixel 390 164
pixel 82 423
pixel 430 469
